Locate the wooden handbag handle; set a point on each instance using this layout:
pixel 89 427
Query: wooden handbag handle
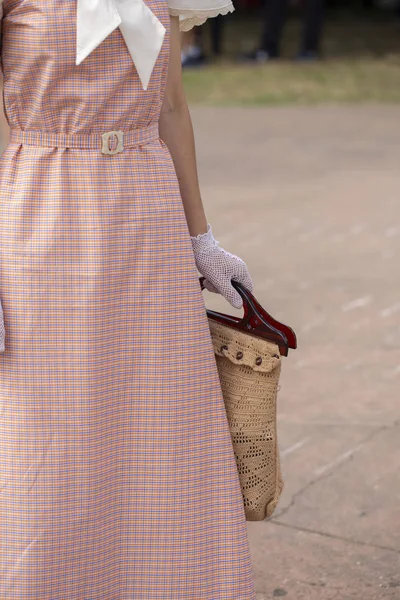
pixel 256 321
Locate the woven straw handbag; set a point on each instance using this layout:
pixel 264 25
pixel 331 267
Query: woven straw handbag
pixel 248 353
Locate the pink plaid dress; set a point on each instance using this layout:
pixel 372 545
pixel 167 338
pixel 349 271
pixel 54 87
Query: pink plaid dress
pixel 117 474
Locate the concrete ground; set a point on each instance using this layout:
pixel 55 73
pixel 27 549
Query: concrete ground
pixel 310 198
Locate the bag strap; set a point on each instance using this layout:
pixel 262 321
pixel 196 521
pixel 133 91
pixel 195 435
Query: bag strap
pixel 256 321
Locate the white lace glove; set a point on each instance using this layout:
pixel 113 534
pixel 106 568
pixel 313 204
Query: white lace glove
pixel 220 267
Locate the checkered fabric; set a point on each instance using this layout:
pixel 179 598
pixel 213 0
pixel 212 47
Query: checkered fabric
pixel 118 479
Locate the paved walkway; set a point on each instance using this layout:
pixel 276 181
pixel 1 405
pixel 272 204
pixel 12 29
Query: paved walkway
pixel 311 199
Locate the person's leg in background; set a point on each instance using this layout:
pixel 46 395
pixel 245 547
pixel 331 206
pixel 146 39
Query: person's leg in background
pixel 193 54
pixel 274 20
pixel 274 16
pixel 313 27
pixel 216 25
pixel 192 48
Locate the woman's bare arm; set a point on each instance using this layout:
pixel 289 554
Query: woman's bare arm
pixel 177 132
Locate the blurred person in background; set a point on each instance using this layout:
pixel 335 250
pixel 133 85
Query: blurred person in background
pixel 192 53
pixel 275 13
pixel 193 42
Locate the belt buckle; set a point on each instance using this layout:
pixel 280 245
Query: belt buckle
pixel 105 148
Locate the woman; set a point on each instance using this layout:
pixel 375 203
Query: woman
pixel 118 478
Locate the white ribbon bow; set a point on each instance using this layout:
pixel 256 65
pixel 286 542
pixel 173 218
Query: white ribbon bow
pixel 142 31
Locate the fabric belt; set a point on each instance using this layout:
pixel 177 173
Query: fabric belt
pixel 110 142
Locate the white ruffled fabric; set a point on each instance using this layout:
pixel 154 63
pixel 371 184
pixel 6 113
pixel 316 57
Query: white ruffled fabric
pixel 196 12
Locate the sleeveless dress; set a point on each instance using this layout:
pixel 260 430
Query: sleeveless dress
pixel 118 479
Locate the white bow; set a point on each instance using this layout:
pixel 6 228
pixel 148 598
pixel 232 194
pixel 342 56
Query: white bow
pixel 142 31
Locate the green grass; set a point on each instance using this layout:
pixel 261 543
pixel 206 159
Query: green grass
pixel 336 81
pixel 361 64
